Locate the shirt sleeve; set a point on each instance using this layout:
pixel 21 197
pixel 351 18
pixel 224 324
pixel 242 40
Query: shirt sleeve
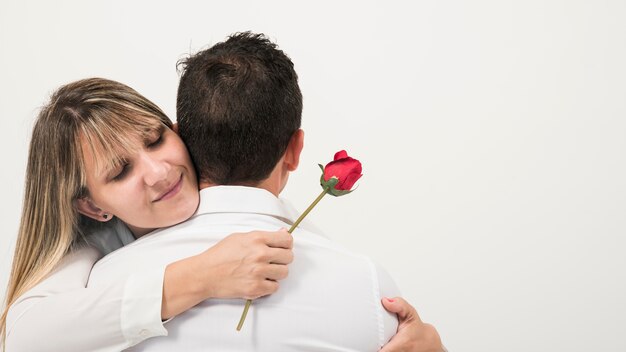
pixel 62 312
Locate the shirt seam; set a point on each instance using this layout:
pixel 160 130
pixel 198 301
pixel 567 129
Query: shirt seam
pixel 377 302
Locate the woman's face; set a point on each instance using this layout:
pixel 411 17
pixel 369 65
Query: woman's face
pixel 154 187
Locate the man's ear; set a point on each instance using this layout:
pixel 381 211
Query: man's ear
pixel 86 207
pixel 175 127
pixel 294 149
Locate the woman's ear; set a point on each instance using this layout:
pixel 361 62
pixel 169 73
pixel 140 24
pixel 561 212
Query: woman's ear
pixel 175 127
pixel 86 207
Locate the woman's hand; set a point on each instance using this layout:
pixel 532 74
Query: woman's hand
pixel 413 335
pixel 242 265
pixel 247 265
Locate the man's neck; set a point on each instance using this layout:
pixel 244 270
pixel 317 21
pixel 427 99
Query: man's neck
pixel 274 183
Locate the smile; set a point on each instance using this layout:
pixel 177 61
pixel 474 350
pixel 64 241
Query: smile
pixel 172 192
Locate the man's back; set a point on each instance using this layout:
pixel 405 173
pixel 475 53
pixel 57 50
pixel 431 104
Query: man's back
pixel 329 302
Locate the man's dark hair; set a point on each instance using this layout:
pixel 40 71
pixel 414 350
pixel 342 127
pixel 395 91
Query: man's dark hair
pixel 238 105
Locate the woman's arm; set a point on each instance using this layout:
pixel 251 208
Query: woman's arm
pixel 242 265
pixel 60 313
pixel 63 314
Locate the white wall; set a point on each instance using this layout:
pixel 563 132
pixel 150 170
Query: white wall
pixel 492 135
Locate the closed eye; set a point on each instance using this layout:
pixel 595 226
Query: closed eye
pixel 122 173
pixel 156 142
pixel 155 138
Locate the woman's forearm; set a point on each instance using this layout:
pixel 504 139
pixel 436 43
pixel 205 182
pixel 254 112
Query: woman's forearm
pixel 242 265
pixel 62 313
pixel 183 287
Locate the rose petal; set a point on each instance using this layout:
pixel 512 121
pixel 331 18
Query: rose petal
pixel 347 163
pixel 341 154
pixel 337 168
pixel 348 182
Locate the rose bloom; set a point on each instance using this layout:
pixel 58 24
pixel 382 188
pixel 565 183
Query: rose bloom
pixel 345 169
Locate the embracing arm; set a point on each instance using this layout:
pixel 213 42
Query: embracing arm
pixel 44 315
pixel 62 312
pixel 242 265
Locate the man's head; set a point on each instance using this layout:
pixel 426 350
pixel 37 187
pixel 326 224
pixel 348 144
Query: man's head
pixel 238 106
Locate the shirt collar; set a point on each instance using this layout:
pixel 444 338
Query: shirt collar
pixel 241 199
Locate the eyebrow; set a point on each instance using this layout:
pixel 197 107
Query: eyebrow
pixel 150 134
pixel 112 168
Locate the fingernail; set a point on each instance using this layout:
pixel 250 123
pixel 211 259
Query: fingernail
pixel 390 300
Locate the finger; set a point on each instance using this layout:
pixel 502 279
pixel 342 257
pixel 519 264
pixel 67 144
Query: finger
pixel 264 288
pixel 393 345
pixel 401 307
pixel 277 239
pixel 280 256
pixel 276 272
pixel 401 341
pixel 269 271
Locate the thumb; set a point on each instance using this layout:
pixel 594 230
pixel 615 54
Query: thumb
pixel 391 304
pixel 401 307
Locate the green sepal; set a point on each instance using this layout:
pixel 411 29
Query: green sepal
pixel 330 183
pixel 329 186
pixel 337 193
pixel 321 167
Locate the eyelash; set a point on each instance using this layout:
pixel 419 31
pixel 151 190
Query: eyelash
pixel 123 172
pixel 126 167
pixel 157 142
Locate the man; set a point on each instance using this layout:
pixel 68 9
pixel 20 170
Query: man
pixel 239 110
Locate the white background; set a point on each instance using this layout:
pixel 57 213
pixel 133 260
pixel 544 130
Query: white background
pixel 492 135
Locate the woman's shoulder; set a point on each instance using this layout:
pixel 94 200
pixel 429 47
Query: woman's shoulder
pixel 112 236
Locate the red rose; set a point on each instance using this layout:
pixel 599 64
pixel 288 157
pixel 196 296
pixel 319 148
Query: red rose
pixel 345 170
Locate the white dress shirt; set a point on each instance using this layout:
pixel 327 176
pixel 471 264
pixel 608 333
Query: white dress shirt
pixel 329 302
pixel 62 314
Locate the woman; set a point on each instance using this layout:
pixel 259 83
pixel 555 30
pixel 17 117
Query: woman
pixel 101 125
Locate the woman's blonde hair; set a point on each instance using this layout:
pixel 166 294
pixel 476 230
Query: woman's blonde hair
pixel 105 115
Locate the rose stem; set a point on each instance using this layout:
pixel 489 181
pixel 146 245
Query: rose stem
pixel 293 227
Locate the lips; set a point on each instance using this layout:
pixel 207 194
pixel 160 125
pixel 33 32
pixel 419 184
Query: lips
pixel 171 191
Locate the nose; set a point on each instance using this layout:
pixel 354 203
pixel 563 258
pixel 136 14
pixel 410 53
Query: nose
pixel 155 169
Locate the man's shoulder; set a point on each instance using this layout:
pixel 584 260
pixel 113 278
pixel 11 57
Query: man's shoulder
pixel 140 250
pixel 326 251
pixel 188 238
